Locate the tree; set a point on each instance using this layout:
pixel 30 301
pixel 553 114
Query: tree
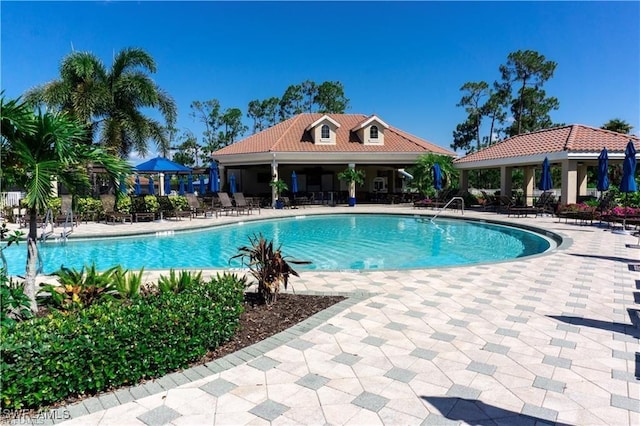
pixel 530 70
pixel 472 100
pixel 330 98
pixel 187 150
pixel 422 171
pixel 617 125
pixel 231 120
pixel 291 102
pixel 309 90
pixel 109 103
pixel 208 113
pixel 48 147
pixel 464 134
pixel 255 111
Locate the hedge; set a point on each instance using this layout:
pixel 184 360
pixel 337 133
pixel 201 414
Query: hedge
pixel 115 343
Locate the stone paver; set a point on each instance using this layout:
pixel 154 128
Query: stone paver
pixel 531 341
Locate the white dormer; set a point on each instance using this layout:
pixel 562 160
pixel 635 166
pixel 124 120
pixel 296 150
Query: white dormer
pixel 371 131
pixel 323 130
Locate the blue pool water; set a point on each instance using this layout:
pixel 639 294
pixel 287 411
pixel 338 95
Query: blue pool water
pixel 331 242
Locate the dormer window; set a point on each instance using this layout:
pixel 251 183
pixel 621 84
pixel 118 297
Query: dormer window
pixel 373 132
pixel 325 133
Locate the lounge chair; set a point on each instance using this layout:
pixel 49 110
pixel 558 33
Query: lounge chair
pixel 109 207
pixel 197 208
pixel 505 203
pixel 546 203
pixel 66 212
pixel 241 202
pixel 226 204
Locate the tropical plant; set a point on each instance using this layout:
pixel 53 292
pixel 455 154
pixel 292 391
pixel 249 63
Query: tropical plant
pixel 267 265
pixel 47 148
pixel 422 171
pixel 123 204
pixel 280 186
pixel 109 103
pixel 14 304
pixel 179 202
pixel 127 283
pixel 78 288
pixel 352 176
pixel 617 125
pixel 151 203
pixel 179 283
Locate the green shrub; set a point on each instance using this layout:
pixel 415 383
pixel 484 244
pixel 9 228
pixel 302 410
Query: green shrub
pixel 179 202
pixel 88 207
pixel 176 284
pixel 123 204
pixel 151 203
pixel 14 304
pixel 127 283
pixel 110 344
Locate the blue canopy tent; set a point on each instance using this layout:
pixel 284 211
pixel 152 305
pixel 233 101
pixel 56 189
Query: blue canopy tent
pixel 137 187
pixel 214 185
pixel 180 186
pixel 190 184
pixel 232 183
pixel 162 165
pixel 545 183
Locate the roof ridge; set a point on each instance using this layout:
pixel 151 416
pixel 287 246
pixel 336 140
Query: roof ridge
pixel 568 143
pixel 293 120
pixel 400 131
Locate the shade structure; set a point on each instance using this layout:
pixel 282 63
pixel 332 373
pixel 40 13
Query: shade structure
pixel 603 171
pixel 232 183
pixel 190 184
pixel 203 186
pixel 545 183
pixel 437 176
pixel 137 189
pixel 628 183
pixel 294 182
pixel 152 188
pixel 214 185
pixel 180 186
pixel 167 184
pixel 161 165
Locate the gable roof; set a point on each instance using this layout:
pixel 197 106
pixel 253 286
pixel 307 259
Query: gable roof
pixel 369 120
pixel 320 120
pixel 574 138
pixel 291 136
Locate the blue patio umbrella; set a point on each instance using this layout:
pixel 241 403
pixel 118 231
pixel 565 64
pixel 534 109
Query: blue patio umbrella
pixel 437 176
pixel 628 183
pixel 203 186
pixel 294 182
pixel 137 188
pixel 152 189
pixel 214 185
pixel 603 170
pixel 167 184
pixel 232 183
pixel 161 165
pixel 190 183
pixel 180 186
pixel 545 183
pixel 123 185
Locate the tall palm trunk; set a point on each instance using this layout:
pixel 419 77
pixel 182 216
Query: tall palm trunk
pixel 32 261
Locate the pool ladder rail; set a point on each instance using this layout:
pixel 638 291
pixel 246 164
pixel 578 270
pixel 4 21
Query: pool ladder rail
pixel 447 205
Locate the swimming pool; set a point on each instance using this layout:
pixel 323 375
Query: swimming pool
pixel 331 242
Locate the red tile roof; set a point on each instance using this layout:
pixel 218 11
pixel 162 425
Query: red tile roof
pixel 572 138
pixel 290 136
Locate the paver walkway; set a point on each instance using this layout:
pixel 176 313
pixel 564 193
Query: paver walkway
pixel 543 340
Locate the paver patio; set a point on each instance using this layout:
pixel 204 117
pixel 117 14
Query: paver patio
pixel 543 340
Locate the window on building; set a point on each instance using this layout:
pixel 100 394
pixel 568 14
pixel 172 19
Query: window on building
pixel 324 132
pixel 373 132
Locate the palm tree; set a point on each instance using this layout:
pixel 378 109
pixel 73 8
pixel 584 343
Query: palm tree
pixel 44 148
pixel 422 171
pixel 109 102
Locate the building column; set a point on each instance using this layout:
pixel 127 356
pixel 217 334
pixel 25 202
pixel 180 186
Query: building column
pixel 506 184
pixel 569 182
pixel 161 185
pixel 274 177
pixel 464 180
pixel 528 185
pixel 222 176
pixel 582 179
pixel 352 188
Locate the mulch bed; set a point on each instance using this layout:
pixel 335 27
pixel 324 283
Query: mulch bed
pixel 260 321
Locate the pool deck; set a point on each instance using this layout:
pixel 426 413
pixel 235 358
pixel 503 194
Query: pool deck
pixel 547 339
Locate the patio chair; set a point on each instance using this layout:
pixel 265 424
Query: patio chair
pixel 505 203
pixel 109 207
pixel 226 204
pixel 242 202
pixel 545 203
pixel 198 208
pixel 66 212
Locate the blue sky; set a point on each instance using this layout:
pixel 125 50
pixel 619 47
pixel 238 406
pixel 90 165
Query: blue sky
pixel 404 61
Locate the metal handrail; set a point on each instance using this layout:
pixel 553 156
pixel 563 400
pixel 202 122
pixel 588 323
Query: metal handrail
pixel 447 205
pixel 48 218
